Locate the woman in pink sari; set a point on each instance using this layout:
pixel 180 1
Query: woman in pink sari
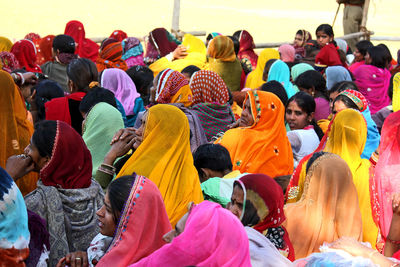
pixel 208 235
pixel 386 174
pixel 373 79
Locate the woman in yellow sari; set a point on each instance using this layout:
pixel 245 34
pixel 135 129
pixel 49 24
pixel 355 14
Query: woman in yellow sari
pixel 196 55
pixel 254 79
pixel 15 128
pixel 260 143
pixel 222 60
pixel 164 156
pixel 346 137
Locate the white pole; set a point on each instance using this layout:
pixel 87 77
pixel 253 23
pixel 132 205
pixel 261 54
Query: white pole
pixel 175 15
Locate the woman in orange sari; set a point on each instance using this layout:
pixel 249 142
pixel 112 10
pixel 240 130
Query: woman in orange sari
pixel 15 128
pixel 110 56
pixel 260 144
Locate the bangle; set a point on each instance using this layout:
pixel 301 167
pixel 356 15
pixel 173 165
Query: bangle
pixel 22 78
pixel 108 167
pixel 371 254
pixel 395 242
pixel 109 172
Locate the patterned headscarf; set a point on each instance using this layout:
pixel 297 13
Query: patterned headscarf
pixel 32 36
pixel 208 87
pixel 45 49
pixel 132 52
pixel 110 57
pixel 8 62
pixel 118 35
pixel 356 97
pixel 173 87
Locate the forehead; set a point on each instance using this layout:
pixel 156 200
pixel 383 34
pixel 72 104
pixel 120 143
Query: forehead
pixel 321 33
pixel 293 105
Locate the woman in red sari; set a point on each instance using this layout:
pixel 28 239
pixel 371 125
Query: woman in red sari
pixel 85 48
pixel 25 52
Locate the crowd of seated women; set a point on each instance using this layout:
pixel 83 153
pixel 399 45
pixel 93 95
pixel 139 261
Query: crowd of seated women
pixel 176 152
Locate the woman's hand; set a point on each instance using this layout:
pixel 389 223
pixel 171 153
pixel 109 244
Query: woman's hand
pixel 179 52
pixel 19 165
pixel 122 134
pixel 119 148
pixel 74 259
pixel 234 125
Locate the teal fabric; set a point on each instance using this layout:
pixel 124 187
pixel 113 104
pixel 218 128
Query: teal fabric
pixel 101 123
pixel 280 72
pixel 139 106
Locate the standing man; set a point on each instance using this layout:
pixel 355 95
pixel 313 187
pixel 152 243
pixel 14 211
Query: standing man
pixel 352 17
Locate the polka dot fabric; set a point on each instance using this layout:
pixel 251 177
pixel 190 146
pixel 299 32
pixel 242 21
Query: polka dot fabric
pixel 208 87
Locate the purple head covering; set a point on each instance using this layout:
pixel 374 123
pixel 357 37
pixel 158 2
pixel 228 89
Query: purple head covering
pixel 118 82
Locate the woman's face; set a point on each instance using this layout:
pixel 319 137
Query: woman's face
pixel 246 119
pixel 236 204
pixel 296 117
pixel 323 38
pixel 33 152
pixel 368 59
pixel 105 215
pixel 338 106
pixel 179 228
pixel 298 40
pixel 140 132
pixel 358 56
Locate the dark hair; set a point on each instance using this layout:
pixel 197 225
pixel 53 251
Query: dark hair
pixel 250 215
pixel 363 46
pixel 307 104
pixel 44 136
pixel 277 89
pixel 212 156
pixel 310 79
pixel 237 34
pixel 269 63
pixel 209 37
pixel 378 57
pixel 191 69
pixel 95 96
pixel 390 88
pixel 388 55
pixel 64 43
pixel 311 48
pixel 46 90
pixel 346 101
pixel 142 77
pixel 118 192
pixel 82 72
pixel 325 28
pixel 299 32
pixel 236 44
pixel 341 86
pixel 313 158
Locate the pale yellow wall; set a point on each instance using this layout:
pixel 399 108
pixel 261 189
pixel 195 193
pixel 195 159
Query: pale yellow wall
pixel 266 20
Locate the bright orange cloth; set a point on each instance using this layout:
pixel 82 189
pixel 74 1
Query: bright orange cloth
pixel 15 128
pixel 165 157
pixel 111 57
pixel 264 146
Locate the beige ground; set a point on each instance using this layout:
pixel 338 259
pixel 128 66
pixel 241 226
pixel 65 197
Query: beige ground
pixel 266 20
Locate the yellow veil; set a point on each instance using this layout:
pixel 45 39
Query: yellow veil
pixel 347 138
pixel 254 79
pixel 165 158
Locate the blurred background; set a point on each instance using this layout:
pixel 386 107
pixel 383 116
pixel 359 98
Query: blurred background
pixel 266 20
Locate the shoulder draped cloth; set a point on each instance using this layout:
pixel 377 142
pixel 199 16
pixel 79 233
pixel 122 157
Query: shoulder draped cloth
pixel 262 147
pixel 165 158
pixel 328 203
pixel 142 224
pixel 15 128
pixel 254 79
